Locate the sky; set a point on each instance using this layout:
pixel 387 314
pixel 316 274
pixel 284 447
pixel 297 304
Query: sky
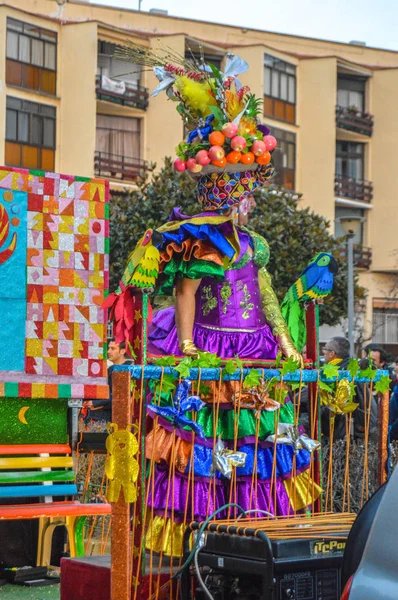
pixel 370 21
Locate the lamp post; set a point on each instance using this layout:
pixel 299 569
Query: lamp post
pixel 351 227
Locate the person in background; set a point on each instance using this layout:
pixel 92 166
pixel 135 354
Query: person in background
pixel 337 352
pixel 99 412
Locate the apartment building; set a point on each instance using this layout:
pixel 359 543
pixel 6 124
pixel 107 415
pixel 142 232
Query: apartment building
pixel 67 104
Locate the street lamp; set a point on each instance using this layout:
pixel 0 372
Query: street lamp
pixel 351 227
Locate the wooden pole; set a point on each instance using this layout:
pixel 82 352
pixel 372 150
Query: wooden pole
pixel 120 537
pixel 312 347
pixel 384 403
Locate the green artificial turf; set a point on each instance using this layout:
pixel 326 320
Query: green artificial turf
pixel 19 592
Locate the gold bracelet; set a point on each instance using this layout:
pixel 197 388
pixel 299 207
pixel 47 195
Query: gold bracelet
pixel 188 348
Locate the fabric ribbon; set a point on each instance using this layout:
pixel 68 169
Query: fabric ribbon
pixel 289 434
pixel 224 459
pixel 203 131
pixel 122 313
pixel 260 400
pixel 182 403
pixel 339 402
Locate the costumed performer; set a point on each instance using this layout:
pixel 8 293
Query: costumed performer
pixel 225 304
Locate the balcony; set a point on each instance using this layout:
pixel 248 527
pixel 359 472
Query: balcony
pixel 118 167
pixel 354 120
pixel 120 92
pixel 353 189
pixel 362 256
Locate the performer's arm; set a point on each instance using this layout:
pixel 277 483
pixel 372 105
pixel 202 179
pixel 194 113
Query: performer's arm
pixel 185 314
pixel 272 312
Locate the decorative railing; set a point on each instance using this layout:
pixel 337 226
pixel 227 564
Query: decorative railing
pixel 117 166
pixel 353 189
pixel 362 256
pixel 121 92
pixel 354 120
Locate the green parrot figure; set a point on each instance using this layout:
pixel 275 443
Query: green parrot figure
pixel 314 283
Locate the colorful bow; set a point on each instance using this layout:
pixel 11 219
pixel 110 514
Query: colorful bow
pixel 182 403
pixel 339 402
pixel 203 131
pixel 224 459
pixel 261 400
pixel 289 434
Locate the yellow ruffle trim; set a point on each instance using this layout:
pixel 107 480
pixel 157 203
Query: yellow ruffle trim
pixel 302 491
pixel 164 536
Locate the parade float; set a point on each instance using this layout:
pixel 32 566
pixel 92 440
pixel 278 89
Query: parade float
pixel 219 376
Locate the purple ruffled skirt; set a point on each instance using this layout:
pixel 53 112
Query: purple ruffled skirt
pixel 226 344
pixel 179 496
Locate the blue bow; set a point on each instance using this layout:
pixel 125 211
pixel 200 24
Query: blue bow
pixel 182 404
pixel 201 132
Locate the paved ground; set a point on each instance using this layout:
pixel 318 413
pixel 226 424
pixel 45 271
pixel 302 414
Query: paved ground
pixel 18 592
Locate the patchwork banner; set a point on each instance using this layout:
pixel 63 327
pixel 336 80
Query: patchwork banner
pixel 54 246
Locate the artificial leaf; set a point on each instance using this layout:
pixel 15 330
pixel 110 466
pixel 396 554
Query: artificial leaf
pixel 216 72
pixel 383 385
pixel 184 367
pixel 278 359
pixel 218 114
pixel 295 386
pixel 368 373
pixel 165 361
pixel 252 379
pixel 329 371
pixel 289 366
pixel 353 367
pixel 230 367
pixel 207 360
pixel 324 386
pixel 239 363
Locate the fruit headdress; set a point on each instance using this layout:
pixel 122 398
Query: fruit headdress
pixel 220 115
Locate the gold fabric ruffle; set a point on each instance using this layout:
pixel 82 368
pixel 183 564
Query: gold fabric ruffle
pixel 300 490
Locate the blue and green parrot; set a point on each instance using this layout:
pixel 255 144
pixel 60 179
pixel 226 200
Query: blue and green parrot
pixel 315 282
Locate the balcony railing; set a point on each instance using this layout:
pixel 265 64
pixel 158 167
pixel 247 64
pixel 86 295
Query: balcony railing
pixel 353 189
pixel 362 256
pixel 354 120
pixel 121 92
pixel 118 167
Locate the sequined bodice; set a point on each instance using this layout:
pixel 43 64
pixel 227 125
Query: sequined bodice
pixel 234 303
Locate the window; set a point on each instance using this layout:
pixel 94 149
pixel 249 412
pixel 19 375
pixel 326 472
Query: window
pixel 116 68
pixel 284 158
pixel 214 59
pixel 119 136
pixel 279 89
pixel 31 57
pixel 30 134
pixel 348 212
pixel 350 160
pixel 385 323
pixel 351 92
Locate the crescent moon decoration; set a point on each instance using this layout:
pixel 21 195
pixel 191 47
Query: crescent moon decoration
pixel 21 415
pixel 4 231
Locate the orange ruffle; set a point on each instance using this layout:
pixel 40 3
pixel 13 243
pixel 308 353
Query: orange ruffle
pixel 158 447
pixel 190 248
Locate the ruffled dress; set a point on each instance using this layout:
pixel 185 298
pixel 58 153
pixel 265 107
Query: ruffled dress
pixel 229 321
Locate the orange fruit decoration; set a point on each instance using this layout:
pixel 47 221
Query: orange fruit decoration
pixel 247 159
pixel 219 163
pixel 264 159
pixel 234 157
pixel 216 138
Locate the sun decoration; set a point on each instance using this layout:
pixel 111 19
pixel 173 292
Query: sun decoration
pixel 5 230
pixel 220 114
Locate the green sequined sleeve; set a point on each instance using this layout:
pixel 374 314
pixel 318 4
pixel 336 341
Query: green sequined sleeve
pixel 270 304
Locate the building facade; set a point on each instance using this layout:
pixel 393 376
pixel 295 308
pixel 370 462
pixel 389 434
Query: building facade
pixel 68 104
